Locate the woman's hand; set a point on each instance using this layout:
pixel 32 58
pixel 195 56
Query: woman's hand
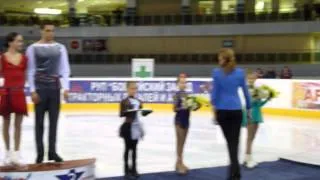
pixel 35 98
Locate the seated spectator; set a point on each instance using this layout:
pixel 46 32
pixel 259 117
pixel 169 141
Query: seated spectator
pixel 259 73
pixel 286 73
pixel 270 74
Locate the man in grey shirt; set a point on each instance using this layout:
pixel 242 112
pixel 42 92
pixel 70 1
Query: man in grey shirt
pixel 47 63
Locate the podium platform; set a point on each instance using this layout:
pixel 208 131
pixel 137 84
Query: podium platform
pixel 69 170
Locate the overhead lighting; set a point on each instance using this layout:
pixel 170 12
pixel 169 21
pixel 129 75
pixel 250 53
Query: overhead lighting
pixel 259 6
pixel 80 0
pixel 47 11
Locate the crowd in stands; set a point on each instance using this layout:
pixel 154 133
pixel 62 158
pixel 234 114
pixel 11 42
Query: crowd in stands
pixel 271 73
pixel 121 17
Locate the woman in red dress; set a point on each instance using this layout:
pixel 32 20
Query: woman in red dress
pixel 13 100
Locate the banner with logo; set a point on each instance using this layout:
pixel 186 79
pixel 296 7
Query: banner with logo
pixel 81 173
pixel 306 95
pixel 142 68
pixel 155 91
pixel 74 46
pixel 96 45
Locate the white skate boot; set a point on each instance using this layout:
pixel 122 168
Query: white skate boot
pixel 17 159
pixel 7 159
pixel 249 162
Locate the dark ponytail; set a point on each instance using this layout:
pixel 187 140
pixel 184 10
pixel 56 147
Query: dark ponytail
pixel 10 38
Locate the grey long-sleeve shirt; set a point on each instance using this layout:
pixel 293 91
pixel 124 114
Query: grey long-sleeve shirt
pixel 51 59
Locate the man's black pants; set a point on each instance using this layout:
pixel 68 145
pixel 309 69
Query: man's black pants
pixel 49 102
pixel 230 122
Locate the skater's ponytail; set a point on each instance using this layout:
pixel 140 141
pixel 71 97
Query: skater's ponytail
pixel 230 61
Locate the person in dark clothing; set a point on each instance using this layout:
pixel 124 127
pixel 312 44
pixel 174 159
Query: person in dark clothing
pixel 227 105
pixel 259 73
pixel 131 130
pixel 286 73
pixel 270 74
pixel 118 16
pixel 307 9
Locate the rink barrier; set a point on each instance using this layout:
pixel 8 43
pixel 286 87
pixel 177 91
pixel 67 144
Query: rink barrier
pixel 298 98
pixel 168 108
pixel 76 169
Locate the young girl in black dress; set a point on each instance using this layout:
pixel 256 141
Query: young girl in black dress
pixel 131 130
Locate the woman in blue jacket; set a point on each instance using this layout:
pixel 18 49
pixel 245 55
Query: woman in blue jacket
pixel 226 101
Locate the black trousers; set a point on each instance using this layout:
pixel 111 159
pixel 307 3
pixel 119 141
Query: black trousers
pixel 130 145
pixel 230 122
pixel 49 102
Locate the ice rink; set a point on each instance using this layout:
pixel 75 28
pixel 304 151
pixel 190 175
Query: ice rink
pixel 95 134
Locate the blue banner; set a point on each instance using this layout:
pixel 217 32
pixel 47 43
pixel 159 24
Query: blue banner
pixel 87 91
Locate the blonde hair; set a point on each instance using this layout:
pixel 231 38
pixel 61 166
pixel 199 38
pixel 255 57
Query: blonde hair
pixel 228 55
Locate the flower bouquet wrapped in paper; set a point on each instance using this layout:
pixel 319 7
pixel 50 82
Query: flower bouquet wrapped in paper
pixel 195 102
pixel 263 92
pixel 260 96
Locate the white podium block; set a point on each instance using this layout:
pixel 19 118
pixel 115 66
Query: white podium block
pixel 68 170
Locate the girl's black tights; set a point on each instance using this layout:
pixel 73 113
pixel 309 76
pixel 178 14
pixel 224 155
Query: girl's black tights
pixel 130 145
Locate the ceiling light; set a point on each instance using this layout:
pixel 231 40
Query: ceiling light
pixel 80 0
pixel 47 11
pixel 259 6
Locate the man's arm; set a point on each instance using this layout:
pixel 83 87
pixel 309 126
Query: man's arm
pixel 31 68
pixel 64 69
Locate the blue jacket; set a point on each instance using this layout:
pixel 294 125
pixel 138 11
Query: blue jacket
pixel 224 95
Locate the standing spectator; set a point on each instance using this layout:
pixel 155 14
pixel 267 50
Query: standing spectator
pixel 270 74
pixel 118 16
pixel 307 8
pixel 286 73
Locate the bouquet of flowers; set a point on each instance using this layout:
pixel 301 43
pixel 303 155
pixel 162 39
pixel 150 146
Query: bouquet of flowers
pixel 263 92
pixel 195 102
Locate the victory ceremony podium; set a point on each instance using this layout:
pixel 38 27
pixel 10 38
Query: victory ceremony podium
pixel 68 170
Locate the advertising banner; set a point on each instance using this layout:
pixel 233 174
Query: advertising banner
pixel 99 45
pixel 306 95
pixel 155 91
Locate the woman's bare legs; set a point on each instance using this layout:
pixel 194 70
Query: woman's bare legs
pixel 6 131
pixel 17 131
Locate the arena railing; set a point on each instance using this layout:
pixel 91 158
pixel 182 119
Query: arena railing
pixel 29 19
pixel 204 58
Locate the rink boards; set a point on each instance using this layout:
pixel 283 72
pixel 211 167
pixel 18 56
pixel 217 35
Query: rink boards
pixel 299 98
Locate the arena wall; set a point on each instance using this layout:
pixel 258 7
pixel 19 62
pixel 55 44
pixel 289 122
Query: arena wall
pixel 183 30
pixel 299 98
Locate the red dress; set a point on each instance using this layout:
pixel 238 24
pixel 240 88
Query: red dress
pixel 13 99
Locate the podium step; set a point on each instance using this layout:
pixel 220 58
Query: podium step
pixel 76 170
